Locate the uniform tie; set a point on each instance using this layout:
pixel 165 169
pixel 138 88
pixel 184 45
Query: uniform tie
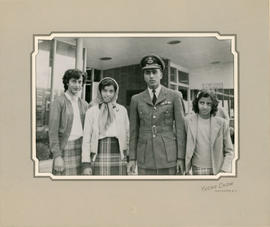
pixel 154 97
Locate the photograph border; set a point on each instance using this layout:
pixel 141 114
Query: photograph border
pixel 217 35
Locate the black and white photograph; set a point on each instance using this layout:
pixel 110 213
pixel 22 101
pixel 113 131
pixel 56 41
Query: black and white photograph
pixel 135 105
pixel 135 113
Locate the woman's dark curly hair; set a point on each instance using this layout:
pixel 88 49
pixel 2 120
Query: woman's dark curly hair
pixel 205 94
pixel 73 73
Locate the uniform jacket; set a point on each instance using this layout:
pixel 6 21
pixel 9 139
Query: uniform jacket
pixel 154 141
pixel 222 151
pixel 60 123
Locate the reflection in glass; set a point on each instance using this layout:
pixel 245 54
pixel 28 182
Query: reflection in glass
pixel 173 75
pixel 43 93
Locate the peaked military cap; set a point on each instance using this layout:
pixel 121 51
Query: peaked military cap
pixel 152 61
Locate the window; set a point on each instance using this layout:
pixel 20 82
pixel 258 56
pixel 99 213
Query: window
pixel 179 81
pixel 43 94
pixel 173 86
pixel 183 77
pixel 173 77
pixel 64 60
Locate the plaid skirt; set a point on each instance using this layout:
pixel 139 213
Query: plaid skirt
pixel 72 158
pixel 165 171
pixel 201 171
pixel 108 160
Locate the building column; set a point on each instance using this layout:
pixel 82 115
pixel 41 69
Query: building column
pixel 79 54
pixel 188 100
pixel 53 66
pixel 80 58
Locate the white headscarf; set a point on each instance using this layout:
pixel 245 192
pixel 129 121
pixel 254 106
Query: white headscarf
pixel 106 113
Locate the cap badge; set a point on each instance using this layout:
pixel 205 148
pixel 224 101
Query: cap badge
pixel 150 60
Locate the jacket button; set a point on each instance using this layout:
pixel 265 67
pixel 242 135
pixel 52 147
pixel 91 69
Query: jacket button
pixel 154 116
pixel 154 136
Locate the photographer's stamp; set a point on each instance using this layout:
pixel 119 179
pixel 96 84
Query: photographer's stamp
pixel 219 187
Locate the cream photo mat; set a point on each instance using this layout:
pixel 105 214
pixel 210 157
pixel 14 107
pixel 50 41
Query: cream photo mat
pixel 30 201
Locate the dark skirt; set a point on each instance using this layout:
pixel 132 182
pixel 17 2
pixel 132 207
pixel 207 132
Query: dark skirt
pixel 72 158
pixel 108 160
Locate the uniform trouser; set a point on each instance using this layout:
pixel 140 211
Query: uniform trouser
pixel 165 171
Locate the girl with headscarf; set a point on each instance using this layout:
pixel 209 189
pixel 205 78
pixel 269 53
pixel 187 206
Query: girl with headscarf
pixel 106 133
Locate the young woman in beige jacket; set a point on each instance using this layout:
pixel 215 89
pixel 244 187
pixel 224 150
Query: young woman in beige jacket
pixel 106 133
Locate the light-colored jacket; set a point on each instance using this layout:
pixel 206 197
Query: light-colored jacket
pixel 91 131
pixel 222 151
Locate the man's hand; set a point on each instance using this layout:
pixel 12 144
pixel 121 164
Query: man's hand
pixel 180 167
pixel 131 166
pixel 58 164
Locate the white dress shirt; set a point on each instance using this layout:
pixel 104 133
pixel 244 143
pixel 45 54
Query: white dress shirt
pixel 76 129
pixel 157 91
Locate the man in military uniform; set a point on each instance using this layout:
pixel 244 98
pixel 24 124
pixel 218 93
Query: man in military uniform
pixel 157 148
